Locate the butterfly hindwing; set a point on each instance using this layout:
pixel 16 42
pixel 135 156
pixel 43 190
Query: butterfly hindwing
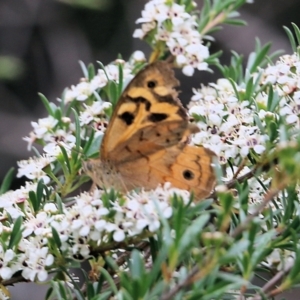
pixel 184 166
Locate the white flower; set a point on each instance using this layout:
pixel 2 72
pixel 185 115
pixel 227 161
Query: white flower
pixel 188 70
pixel 138 33
pixel 30 139
pixel 119 236
pixel 11 200
pixel 206 93
pixel 83 90
pixel 154 12
pixel 100 225
pixel 80 92
pixel 53 149
pixel 60 137
pixel 177 14
pixel 224 85
pixel 92 112
pixel 226 124
pixel 36 262
pixel 43 126
pixel 50 208
pixel 138 56
pixel 9 264
pixel 182 38
pixel 38 225
pixel 84 230
pixel 33 168
pixel 292 119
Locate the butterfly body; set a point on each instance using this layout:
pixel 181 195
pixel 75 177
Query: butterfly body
pixel 145 143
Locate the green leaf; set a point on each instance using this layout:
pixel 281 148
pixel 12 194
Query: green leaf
pixel 218 290
pixel 297 33
pixel 62 291
pixel 89 289
pixel 113 92
pixel 59 203
pixel 58 114
pixel 259 124
pixel 192 234
pixel 39 193
pixel 236 249
pixel 155 272
pixel 111 263
pixel 120 85
pixel 33 200
pixel 235 22
pixel 226 200
pixel 84 69
pixel 47 104
pixel 92 150
pixel 49 293
pixel 273 131
pixel 7 181
pixel 291 38
pixel 102 296
pixel 16 233
pixel 235 70
pixel 91 71
pixel 259 56
pixel 137 267
pixel 77 131
pixel 78 295
pixel 65 161
pixel 110 280
pixel 249 89
pixel 273 99
pixel 56 237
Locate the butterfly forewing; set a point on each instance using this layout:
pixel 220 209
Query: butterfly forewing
pixel 148 116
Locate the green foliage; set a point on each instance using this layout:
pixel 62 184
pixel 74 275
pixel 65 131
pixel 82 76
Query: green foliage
pixel 213 249
pixel 294 38
pixel 16 234
pixel 7 181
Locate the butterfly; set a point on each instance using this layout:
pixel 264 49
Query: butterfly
pixel 146 141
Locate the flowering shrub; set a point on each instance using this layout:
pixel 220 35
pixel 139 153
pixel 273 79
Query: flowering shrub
pixel 159 243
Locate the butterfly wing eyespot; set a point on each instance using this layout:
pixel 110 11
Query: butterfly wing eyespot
pixel 188 174
pixel 193 170
pixel 151 84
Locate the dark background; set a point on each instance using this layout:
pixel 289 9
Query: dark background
pixel 41 42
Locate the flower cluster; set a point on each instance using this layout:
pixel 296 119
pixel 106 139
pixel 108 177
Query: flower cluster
pixel 177 29
pixel 32 254
pixel 50 131
pixel 284 77
pixel 257 188
pixel 88 220
pixel 227 124
pixel 87 88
